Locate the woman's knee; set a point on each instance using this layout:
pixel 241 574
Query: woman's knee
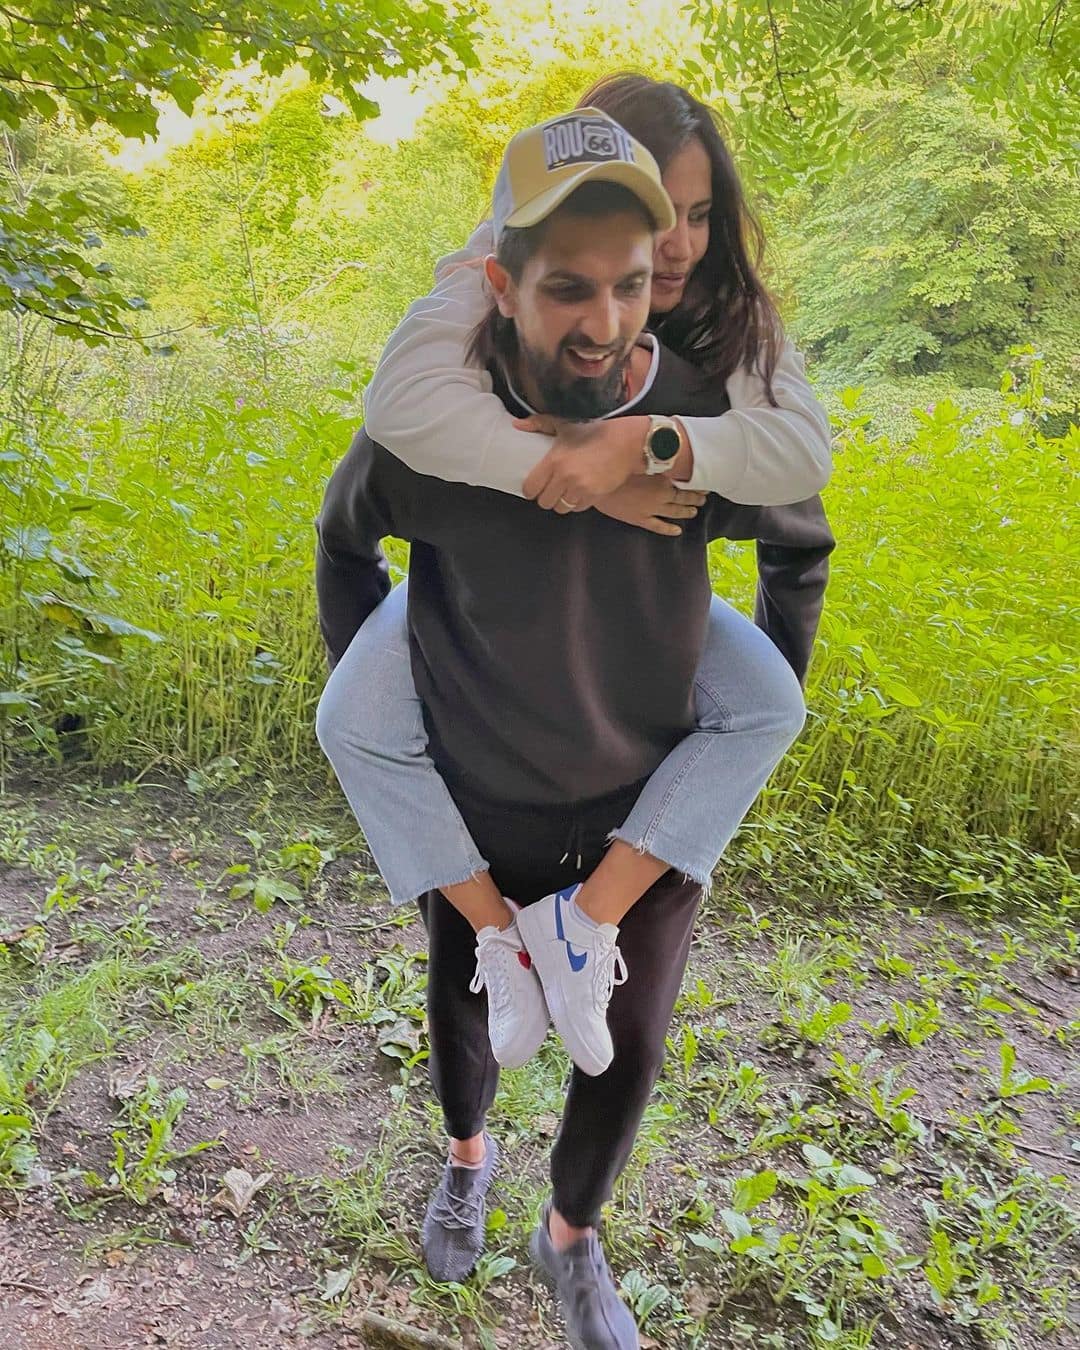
pixel 783 694
pixel 328 719
pixel 369 705
pixel 743 677
pixel 379 717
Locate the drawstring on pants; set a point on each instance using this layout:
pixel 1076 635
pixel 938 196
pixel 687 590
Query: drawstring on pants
pixel 573 844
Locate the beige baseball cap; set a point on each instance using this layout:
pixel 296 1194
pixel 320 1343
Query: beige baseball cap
pixel 544 164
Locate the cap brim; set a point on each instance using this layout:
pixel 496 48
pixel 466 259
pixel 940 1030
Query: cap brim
pixel 630 176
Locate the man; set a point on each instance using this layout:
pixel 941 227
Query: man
pixel 554 656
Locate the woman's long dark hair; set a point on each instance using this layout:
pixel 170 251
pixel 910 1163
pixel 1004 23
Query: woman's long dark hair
pixel 727 317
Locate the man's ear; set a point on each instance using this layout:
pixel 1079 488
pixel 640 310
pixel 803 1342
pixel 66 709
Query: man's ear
pixel 502 286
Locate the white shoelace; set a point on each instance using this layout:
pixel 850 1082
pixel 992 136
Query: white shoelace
pixel 610 971
pixel 492 954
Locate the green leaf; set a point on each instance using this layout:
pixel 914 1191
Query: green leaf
pixel 752 1191
pixel 81 617
pixel 898 691
pixel 817 1158
pixel 269 888
pixel 736 1224
pixel 849 1175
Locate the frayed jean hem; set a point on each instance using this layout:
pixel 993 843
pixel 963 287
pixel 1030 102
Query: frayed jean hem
pixel 701 873
pixel 408 894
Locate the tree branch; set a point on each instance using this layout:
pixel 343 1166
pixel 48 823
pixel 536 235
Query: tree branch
pixel 1055 14
pixel 775 30
pixel 103 332
pixel 14 78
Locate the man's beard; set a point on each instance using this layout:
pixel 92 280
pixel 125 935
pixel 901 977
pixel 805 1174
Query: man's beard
pixel 577 397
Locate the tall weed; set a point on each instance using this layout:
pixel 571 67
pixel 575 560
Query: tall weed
pixel 158 592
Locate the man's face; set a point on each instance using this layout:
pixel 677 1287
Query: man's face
pixel 578 308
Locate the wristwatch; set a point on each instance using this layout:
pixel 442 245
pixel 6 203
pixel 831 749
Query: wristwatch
pixel 662 444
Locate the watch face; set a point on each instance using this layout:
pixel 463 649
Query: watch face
pixel 664 442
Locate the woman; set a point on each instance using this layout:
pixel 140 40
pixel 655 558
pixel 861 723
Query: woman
pixel 437 413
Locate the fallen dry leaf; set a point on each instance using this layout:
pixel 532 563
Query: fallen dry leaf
pixel 237 1188
pixel 126 1081
pixel 698 1301
pixel 281 1315
pixel 401 1035
pixel 335 1284
pixel 97 1290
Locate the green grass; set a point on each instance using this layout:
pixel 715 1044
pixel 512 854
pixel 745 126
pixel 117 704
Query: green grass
pixel 849 1128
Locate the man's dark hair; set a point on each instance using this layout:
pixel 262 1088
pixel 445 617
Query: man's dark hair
pixel 494 338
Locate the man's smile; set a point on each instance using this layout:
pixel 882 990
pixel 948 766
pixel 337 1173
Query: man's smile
pixel 588 362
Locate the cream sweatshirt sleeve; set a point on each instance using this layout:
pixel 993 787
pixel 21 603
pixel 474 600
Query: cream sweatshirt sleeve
pixel 440 417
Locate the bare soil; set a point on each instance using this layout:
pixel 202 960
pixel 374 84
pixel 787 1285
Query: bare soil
pixel 319 1106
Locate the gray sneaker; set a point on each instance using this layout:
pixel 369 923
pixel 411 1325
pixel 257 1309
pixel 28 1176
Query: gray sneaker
pixel 596 1317
pixel 453 1233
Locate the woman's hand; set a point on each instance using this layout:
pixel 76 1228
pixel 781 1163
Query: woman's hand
pixel 587 461
pixel 651 503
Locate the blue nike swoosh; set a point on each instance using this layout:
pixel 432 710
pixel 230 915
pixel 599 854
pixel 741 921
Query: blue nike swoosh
pixel 577 959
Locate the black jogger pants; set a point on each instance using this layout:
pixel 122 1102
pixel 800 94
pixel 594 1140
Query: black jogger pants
pixel 533 853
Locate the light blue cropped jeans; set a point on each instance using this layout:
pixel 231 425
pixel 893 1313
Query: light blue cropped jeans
pixel 369 723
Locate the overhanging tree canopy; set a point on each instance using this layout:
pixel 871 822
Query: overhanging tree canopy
pixel 113 63
pixel 785 66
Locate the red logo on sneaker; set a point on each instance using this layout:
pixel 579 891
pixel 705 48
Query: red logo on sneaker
pixel 525 959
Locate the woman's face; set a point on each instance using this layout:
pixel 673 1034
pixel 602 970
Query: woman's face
pixel 688 180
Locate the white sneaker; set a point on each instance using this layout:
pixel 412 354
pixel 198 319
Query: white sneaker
pixel 518 1014
pixel 579 966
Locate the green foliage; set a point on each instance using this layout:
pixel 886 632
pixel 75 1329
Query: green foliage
pixel 943 685
pixel 17 1153
pixel 167 48
pixel 833 1250
pixel 310 989
pixel 912 1023
pixel 932 250
pixel 878 1093
pixel 52 63
pixel 1010 1083
pixel 44 269
pixel 820 1022
pixel 789 66
pixel 143 1147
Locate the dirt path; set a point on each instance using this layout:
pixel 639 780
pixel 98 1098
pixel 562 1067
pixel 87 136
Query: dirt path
pixel 885 1108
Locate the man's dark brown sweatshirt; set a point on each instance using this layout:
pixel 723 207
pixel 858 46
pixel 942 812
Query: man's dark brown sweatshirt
pixel 555 654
